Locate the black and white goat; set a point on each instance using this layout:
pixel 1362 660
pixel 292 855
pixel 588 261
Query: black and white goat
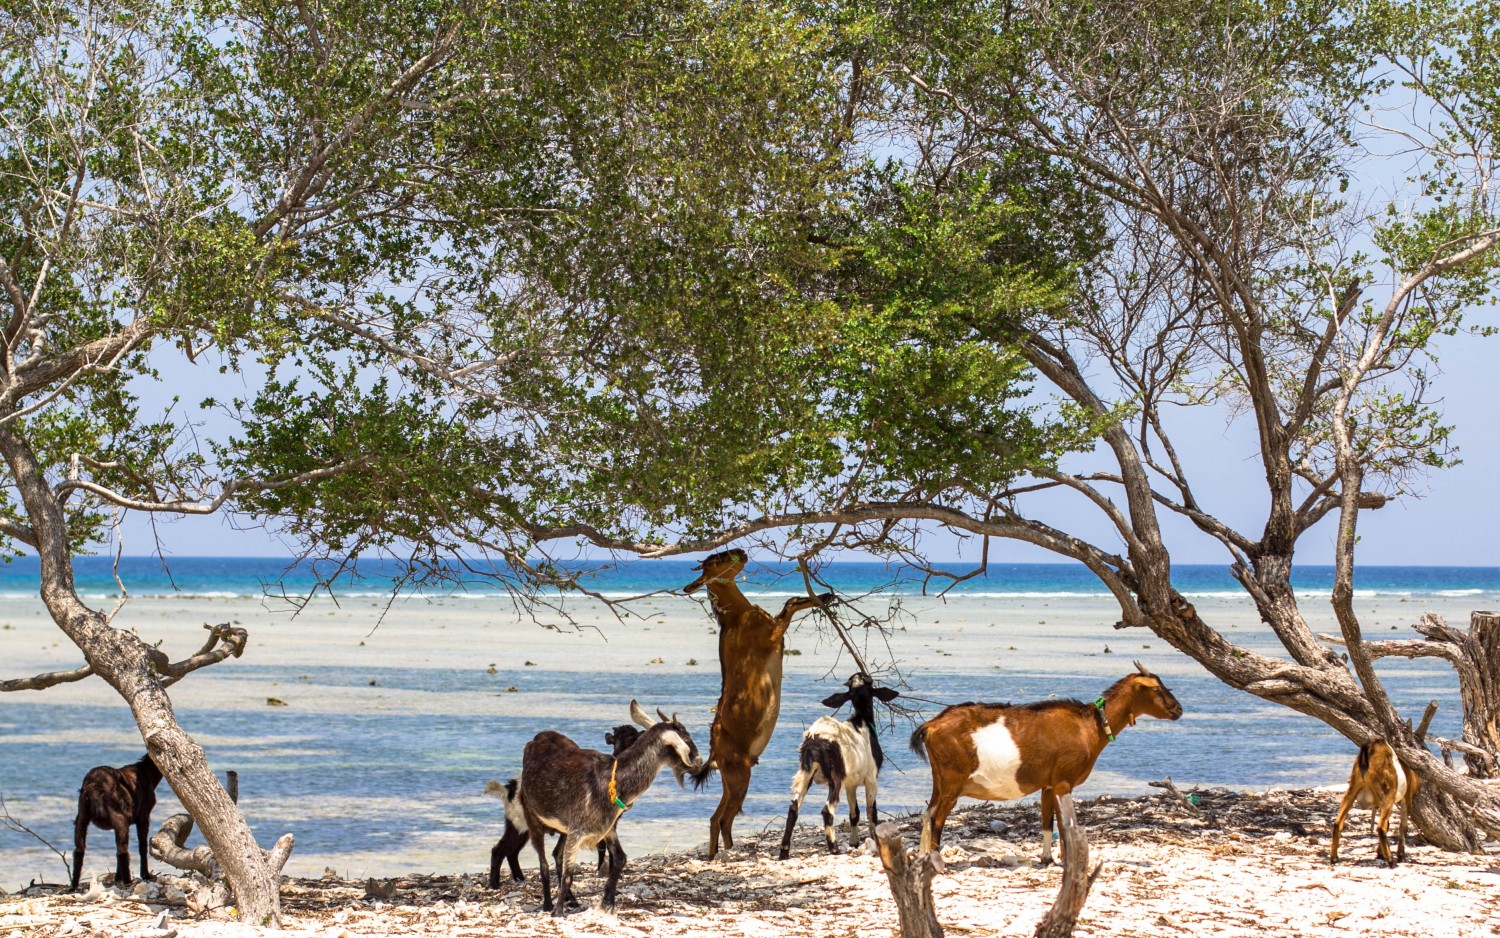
pixel 116 799
pixel 508 848
pixel 580 794
pixel 845 755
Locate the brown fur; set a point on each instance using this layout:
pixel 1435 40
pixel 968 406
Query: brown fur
pixel 1058 741
pixel 1373 785
pixel 751 645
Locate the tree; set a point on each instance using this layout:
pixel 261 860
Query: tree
pixel 1139 208
pixel 349 197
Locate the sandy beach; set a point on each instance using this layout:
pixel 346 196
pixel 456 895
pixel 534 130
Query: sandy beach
pixel 1190 877
pixel 1248 865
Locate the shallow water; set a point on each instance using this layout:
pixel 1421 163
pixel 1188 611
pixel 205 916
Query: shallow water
pixel 378 762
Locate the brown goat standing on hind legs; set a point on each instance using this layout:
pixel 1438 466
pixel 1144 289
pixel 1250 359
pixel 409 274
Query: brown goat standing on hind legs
pixel 114 799
pixel 1378 782
pixel 751 645
pixel 997 752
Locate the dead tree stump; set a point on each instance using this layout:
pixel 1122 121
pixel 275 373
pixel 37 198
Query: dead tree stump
pixel 910 876
pixel 1482 712
pixel 1475 655
pixel 1076 880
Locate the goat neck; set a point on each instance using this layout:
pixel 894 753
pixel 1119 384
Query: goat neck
pixel 636 766
pixel 1117 712
pixel 727 600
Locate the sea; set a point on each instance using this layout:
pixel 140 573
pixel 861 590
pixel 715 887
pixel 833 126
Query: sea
pixel 221 577
pixel 375 793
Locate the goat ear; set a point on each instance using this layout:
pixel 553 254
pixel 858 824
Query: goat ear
pixel 837 700
pixel 886 694
pixel 639 715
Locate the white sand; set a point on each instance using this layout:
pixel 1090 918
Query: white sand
pixel 1180 878
pixel 1222 885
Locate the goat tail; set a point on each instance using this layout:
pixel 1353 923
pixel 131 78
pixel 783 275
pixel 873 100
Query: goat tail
pixel 1366 750
pixel 701 776
pixel 919 742
pixel 808 756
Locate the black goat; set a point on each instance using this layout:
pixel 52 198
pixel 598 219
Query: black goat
pixel 114 799
pixel 580 794
pixel 845 756
pixel 508 848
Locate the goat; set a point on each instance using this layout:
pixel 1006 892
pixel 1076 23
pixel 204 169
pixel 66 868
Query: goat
pixel 846 755
pixel 751 646
pixel 1378 782
pixel 998 752
pixel 508 848
pixel 580 794
pixel 114 799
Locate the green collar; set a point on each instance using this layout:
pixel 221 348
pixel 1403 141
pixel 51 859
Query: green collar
pixel 1099 706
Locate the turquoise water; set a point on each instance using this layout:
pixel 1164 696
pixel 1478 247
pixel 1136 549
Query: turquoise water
pixel 376 793
pixel 241 576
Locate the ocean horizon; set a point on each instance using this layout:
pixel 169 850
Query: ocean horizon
pixel 242 577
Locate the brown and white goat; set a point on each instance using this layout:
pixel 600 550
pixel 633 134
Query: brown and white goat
pixel 580 795
pixel 997 752
pixel 1378 782
pixel 845 756
pixel 508 848
pixel 751 645
pixel 115 799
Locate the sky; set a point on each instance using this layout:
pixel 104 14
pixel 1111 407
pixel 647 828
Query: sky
pixel 1453 522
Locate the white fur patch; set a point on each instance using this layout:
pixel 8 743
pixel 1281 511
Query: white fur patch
pixel 1401 781
pixel 999 761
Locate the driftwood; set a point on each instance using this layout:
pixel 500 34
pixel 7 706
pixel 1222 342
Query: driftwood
pixel 1191 803
pixel 910 876
pixel 167 845
pixel 1060 919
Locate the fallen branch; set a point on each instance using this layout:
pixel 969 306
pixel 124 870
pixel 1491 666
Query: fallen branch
pixel 1187 802
pixel 167 846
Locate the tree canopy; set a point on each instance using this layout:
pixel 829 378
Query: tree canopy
pixel 661 276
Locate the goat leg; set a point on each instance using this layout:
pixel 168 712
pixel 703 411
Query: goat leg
pixel 80 841
pixel 141 839
pixel 616 867
pixel 122 852
pixel 830 815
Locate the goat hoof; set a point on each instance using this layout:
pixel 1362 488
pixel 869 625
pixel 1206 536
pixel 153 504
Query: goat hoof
pixel 1044 862
pixel 784 855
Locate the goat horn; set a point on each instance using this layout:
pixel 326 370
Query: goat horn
pixel 639 715
pixel 1142 668
pixel 662 715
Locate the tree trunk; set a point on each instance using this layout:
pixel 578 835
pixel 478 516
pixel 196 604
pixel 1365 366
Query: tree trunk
pixel 1481 699
pixel 129 666
pixel 1076 880
pixel 911 883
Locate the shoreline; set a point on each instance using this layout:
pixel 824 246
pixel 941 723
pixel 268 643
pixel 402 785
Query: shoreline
pixel 1240 865
pixel 393 719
